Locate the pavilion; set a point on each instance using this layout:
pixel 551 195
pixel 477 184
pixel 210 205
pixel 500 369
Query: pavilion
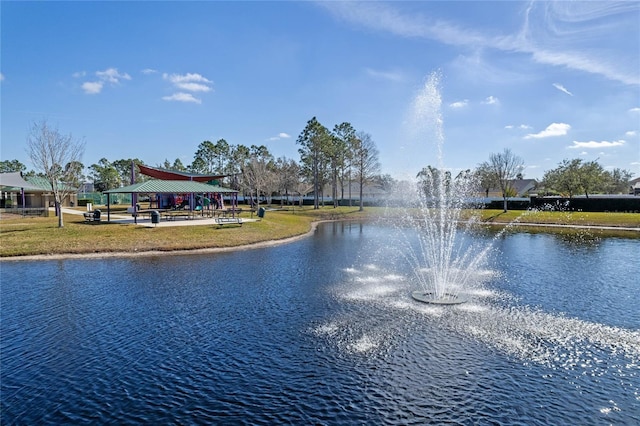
pixel 166 183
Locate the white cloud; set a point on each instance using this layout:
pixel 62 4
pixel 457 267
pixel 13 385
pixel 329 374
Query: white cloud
pixel 383 17
pixel 631 133
pixel 491 100
pixel 148 71
pixel 539 37
pixel 385 75
pixel 521 126
pixel 561 88
pixel 594 144
pixel 92 87
pixel 193 87
pixel 1 77
pixel 191 82
pixel 182 97
pixel 186 78
pixel 459 104
pixel 281 135
pixel 582 62
pixel 553 129
pixel 112 75
pixel 636 109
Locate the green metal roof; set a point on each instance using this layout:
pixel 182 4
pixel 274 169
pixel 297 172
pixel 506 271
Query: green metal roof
pixel 14 182
pixel 155 186
pixel 40 182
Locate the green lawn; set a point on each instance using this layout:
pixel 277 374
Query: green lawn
pixel 565 218
pixel 31 236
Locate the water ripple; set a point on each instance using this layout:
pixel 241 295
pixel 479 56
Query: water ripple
pixel 247 338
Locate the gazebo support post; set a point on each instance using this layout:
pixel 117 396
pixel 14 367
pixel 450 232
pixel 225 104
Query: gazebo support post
pixel 134 196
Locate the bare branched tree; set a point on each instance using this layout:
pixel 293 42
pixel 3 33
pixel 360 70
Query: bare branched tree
pixel 302 188
pixel 505 166
pixel 255 175
pixel 287 176
pixel 365 161
pixel 54 155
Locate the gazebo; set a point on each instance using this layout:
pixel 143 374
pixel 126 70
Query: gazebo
pixel 176 175
pixel 156 186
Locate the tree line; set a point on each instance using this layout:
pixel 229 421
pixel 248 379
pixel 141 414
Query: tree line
pixel 337 158
pixel 571 177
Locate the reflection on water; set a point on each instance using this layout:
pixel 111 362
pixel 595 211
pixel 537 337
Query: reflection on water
pixel 555 341
pixel 324 331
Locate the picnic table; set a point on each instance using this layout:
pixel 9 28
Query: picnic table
pixel 173 214
pixel 146 213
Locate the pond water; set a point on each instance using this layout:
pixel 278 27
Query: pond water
pixel 324 331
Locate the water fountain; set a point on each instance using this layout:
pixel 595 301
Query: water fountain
pixel 583 350
pixel 443 266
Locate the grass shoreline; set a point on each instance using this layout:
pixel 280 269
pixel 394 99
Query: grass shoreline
pixel 25 238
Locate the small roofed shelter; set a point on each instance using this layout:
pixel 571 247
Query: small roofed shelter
pixel 14 183
pixel 167 174
pixel 156 186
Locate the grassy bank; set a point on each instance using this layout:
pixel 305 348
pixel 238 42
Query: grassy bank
pixel 630 220
pixel 20 236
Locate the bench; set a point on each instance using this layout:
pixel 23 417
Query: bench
pixel 228 220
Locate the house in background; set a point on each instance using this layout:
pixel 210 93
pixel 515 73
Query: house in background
pixel 521 188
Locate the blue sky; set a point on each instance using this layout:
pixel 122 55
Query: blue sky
pixel 152 80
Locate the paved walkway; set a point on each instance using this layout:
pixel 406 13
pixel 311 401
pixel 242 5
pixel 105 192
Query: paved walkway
pixel 128 219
